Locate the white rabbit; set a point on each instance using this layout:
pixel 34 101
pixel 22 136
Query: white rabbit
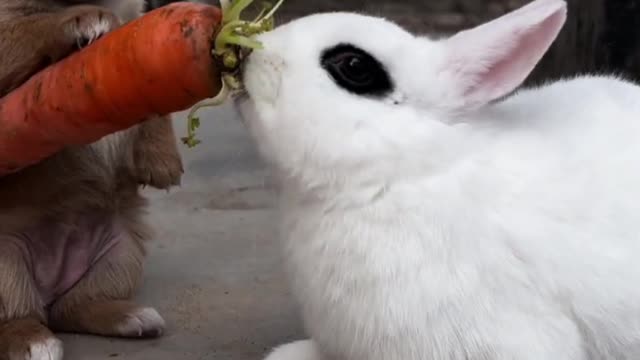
pixel 428 212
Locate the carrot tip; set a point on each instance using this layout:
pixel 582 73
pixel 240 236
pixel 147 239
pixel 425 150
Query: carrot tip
pixel 230 44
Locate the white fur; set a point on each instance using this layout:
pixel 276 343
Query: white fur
pixel 49 349
pixel 142 321
pixel 435 224
pixel 299 350
pixel 98 29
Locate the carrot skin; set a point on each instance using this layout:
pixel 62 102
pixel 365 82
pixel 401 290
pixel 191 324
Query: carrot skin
pixel 157 64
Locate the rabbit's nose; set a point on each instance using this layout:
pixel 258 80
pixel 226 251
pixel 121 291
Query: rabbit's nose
pixel 262 76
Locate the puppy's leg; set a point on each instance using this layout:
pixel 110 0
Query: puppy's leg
pixel 298 350
pixel 156 159
pixel 22 333
pixel 103 296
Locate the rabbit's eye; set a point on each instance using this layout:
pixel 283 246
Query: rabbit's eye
pixel 356 71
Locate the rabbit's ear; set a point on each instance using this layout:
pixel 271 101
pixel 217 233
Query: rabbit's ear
pixel 490 61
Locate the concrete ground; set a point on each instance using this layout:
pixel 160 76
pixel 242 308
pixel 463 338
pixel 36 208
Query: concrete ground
pixel 213 270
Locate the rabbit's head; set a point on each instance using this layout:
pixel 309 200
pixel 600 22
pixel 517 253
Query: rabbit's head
pixel 338 96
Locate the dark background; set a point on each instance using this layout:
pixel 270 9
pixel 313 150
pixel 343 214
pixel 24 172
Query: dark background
pixel 599 36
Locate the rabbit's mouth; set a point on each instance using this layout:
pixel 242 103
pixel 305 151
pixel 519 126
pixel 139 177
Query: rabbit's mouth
pixel 239 93
pixel 240 97
pixel 243 104
pixel 261 76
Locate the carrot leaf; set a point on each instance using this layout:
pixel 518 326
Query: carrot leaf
pixel 233 42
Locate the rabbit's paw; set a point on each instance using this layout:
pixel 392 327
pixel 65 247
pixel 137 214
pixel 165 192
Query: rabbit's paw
pixel 299 350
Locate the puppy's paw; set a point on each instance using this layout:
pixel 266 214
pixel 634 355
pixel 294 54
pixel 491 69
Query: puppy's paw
pixel 122 319
pixel 142 323
pixel 28 339
pixel 85 23
pixel 47 349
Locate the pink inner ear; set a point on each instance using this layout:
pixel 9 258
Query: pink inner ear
pixel 508 72
pixel 490 61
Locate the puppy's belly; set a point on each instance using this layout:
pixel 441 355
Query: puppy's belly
pixel 60 254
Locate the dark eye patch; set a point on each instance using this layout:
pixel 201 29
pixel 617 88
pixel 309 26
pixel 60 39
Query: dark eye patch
pixel 356 71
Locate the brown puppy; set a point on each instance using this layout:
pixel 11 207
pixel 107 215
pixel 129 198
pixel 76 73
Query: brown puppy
pixel 71 229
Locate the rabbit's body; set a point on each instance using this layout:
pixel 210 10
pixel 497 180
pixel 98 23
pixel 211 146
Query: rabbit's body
pixel 531 231
pixel 426 216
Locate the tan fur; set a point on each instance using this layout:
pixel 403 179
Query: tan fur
pixel 102 293
pixel 20 299
pixel 103 177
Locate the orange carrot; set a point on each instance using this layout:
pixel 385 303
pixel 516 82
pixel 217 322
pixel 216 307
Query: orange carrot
pixel 160 63
pixel 157 64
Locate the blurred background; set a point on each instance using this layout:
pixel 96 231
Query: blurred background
pixel 600 35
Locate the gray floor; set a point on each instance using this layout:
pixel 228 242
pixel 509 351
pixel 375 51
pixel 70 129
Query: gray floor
pixel 213 271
